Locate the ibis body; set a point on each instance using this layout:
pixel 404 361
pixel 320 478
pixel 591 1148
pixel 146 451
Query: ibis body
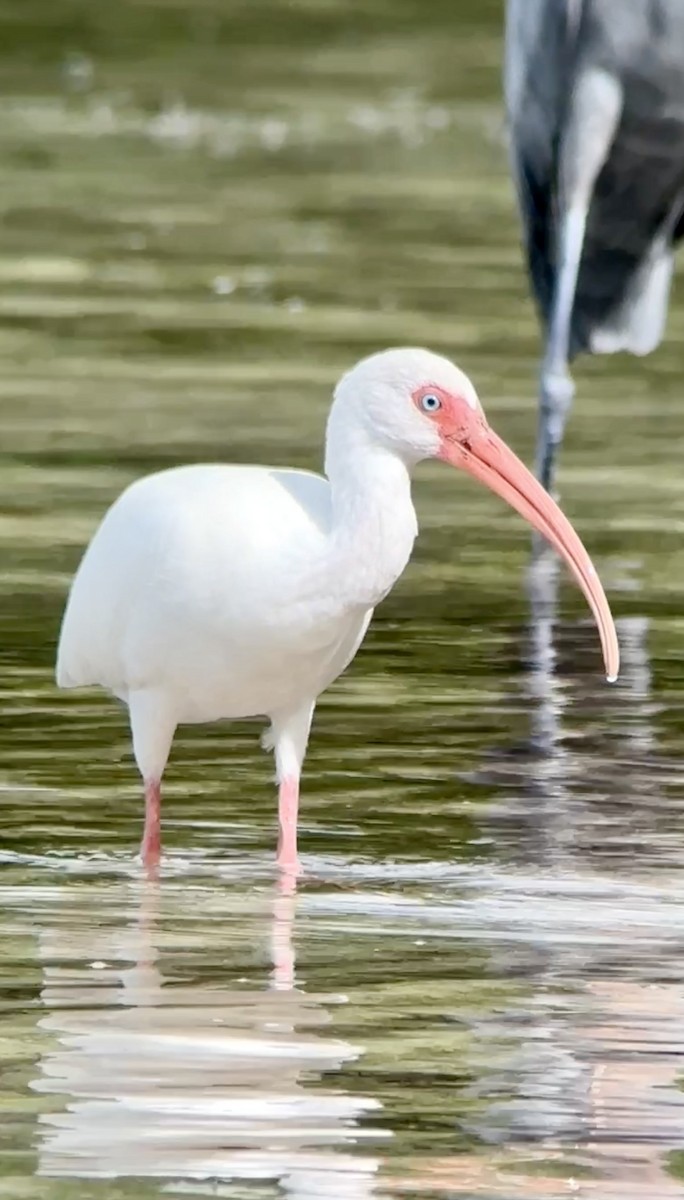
pixel 216 592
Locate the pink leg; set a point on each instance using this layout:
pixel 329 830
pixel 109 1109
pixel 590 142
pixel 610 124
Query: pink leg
pixel 288 804
pixel 150 847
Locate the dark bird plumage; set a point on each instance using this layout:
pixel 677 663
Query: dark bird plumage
pixel 595 100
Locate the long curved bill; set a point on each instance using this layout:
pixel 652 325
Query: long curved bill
pixel 490 460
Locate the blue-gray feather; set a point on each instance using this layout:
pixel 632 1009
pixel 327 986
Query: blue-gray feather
pixel 641 185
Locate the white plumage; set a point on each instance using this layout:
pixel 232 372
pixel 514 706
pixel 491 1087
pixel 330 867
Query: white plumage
pixel 212 592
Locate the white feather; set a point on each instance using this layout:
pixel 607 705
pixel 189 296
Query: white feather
pixel 212 592
pixel 194 585
pixel 639 324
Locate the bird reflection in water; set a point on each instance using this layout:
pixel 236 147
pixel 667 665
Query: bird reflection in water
pixel 595 1054
pixel 579 738
pixel 191 1080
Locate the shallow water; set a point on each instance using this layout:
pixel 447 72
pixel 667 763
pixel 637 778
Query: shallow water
pixel 207 213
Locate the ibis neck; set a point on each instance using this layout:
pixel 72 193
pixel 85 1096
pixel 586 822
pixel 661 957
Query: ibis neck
pixel 373 519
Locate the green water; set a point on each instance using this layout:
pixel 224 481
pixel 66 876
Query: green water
pixel 207 212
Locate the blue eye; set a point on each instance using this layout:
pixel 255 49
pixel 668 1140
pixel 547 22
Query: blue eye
pixel 430 403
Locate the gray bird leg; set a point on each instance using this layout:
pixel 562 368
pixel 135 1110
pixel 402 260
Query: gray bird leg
pixel 595 109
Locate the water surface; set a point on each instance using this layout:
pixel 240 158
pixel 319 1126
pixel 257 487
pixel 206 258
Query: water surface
pixel 207 213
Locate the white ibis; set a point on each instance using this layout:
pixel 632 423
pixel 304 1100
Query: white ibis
pixel 214 592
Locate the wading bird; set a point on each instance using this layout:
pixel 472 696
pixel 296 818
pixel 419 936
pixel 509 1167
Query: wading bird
pixel 212 592
pixel 595 101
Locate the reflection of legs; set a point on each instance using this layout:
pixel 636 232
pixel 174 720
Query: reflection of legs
pixel 544 690
pixel 594 115
pixel 153 728
pixel 282 949
pixel 288 736
pixel 636 720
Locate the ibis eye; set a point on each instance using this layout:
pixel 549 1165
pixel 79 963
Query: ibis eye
pixel 430 403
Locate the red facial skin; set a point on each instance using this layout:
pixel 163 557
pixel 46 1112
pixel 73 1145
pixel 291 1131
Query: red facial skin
pixel 468 442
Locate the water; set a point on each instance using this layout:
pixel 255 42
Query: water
pixel 208 212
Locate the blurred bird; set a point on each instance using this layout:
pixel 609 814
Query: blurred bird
pixel 595 101
pixel 217 592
